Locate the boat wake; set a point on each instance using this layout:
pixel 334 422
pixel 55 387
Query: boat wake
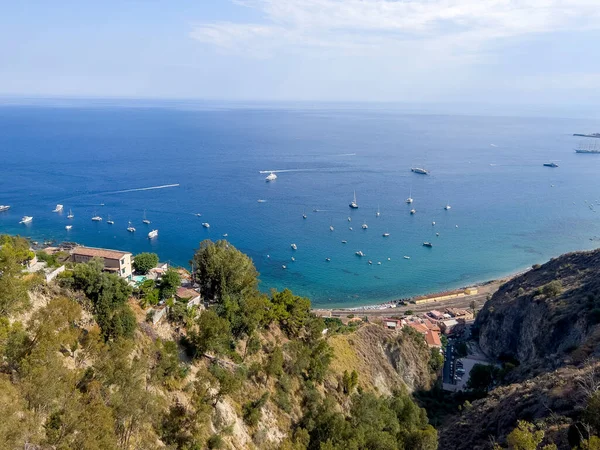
pixel 164 186
pixel 292 170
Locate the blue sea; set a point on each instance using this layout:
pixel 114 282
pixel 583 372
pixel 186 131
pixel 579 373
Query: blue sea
pixel 508 211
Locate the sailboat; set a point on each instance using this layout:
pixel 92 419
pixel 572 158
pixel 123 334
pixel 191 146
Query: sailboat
pixel 353 204
pixel 378 213
pixel 304 213
pixel 145 220
pixel 70 216
pixel 447 207
pixel 130 228
pixel 109 221
pixel 409 199
pixel 364 225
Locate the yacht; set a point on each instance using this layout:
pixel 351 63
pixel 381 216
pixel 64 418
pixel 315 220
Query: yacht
pixel 419 170
pixel 130 228
pixel 359 253
pixel 109 221
pixel 146 221
pixel 294 247
pixel 58 208
pixel 97 219
pixel 353 203
pixel 386 234
pixel 152 234
pixel 409 200
pixel 206 224
pixel 413 211
pixel 26 219
pixel 271 177
pixel 70 215
pixel 4 208
pixel 68 227
pixel 427 244
pixel 364 226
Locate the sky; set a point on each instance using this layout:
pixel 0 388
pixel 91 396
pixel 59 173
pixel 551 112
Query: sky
pixel 490 51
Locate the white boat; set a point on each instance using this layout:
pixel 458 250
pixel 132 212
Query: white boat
pixel 26 219
pixel 406 257
pixel 409 199
pixel 294 247
pixel 344 242
pixel 206 224
pixel 327 259
pixel 152 234
pixel 4 208
pixel 350 228
pixel 377 214
pixel 130 228
pixel 370 262
pixel 70 216
pixel 146 221
pixel 198 215
pixel 97 219
pixel 293 259
pixel 432 224
pixel 225 235
pixel 359 253
pixel 379 263
pixel 413 211
pixel 386 234
pixel 330 227
pixel 110 222
pixel 353 203
pixel 420 170
pixel 58 208
pixel 364 226
pixel 447 207
pixel 304 214
pixel 284 267
pixel 260 200
pixel 68 227
pixel 271 177
pixel 349 219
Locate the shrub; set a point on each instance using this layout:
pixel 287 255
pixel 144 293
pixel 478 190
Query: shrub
pixel 143 262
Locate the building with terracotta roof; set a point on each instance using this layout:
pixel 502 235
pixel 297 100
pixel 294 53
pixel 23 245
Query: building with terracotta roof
pixel 190 296
pixel 114 260
pixel 433 339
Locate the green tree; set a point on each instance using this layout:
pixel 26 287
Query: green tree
pixel 169 283
pixel 222 270
pixel 274 365
pixel 143 262
pixel 212 334
pixel 525 437
pixel 349 381
pixel 253 410
pixel 13 289
pixel 482 377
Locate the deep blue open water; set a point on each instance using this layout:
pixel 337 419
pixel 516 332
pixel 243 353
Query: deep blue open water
pixel 511 211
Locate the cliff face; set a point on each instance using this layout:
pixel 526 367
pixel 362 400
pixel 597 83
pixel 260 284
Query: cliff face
pixel 548 316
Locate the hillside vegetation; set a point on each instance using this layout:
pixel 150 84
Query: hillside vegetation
pixel 80 368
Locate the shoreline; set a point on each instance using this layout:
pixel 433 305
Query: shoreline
pixel 398 303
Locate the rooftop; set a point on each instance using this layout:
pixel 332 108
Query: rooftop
pixel 433 339
pixel 99 252
pixel 186 293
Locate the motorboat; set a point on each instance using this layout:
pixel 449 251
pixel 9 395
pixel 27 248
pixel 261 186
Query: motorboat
pixel 130 228
pixel 413 211
pixel 432 224
pixel 344 242
pixel 386 234
pixel 294 247
pixel 4 208
pixel 152 234
pixel 58 208
pixel 420 171
pixel 447 207
pixel 364 226
pixel 427 244
pixel 97 219
pixel 271 177
pixel 406 257
pixel 68 227
pixel 359 253
pixel 110 221
pixel 206 224
pixel 327 259
pixel 26 219
pixel 331 228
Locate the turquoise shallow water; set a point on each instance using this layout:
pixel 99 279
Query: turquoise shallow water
pixel 511 211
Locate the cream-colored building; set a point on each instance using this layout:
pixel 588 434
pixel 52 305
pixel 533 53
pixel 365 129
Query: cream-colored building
pixel 114 260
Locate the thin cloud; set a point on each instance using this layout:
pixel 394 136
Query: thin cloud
pixel 365 25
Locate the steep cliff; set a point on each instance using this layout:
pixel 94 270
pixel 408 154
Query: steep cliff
pixel 546 317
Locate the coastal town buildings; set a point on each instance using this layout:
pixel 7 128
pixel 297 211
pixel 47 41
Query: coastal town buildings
pixel 114 260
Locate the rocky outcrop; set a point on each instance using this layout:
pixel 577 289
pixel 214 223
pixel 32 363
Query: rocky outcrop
pixel 547 316
pixel 554 399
